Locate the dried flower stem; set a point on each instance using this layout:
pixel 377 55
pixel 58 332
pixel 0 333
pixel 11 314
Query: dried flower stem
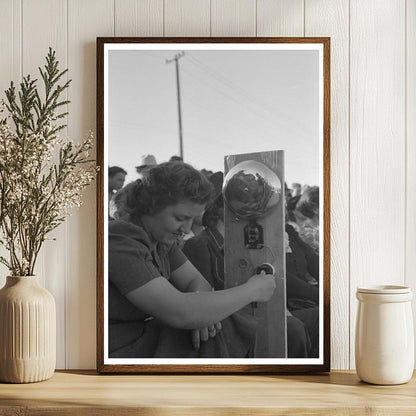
pixel 37 194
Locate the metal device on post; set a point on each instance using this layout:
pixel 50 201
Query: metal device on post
pixel 254 235
pixel 267 268
pixel 251 190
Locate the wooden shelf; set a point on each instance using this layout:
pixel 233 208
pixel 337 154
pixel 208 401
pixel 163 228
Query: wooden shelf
pixel 86 393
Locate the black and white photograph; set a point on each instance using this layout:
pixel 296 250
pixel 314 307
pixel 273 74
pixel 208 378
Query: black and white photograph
pixel 214 205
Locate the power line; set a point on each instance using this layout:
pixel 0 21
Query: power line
pixel 283 118
pixel 252 111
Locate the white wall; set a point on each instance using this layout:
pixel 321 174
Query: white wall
pixel 373 132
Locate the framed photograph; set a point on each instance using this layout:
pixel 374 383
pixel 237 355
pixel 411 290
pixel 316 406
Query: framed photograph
pixel 213 205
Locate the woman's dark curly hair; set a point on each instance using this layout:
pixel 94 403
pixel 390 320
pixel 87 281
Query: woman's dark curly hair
pixel 166 184
pixel 308 204
pixel 214 213
pixel 215 210
pixel 290 208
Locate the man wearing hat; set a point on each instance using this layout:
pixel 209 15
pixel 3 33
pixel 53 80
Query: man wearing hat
pixel 147 162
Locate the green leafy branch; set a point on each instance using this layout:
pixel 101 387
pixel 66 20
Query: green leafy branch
pixel 36 194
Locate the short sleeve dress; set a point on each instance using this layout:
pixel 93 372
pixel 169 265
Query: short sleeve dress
pixel 132 264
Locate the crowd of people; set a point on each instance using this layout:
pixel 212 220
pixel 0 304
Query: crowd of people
pixel 302 260
pixel 167 296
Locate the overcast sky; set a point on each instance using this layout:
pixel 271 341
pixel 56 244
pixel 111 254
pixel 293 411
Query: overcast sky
pixel 232 102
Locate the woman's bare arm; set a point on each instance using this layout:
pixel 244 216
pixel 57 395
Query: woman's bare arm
pixel 187 278
pixel 161 299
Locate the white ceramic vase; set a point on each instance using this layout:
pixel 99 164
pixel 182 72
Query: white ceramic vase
pixel 384 338
pixel 27 331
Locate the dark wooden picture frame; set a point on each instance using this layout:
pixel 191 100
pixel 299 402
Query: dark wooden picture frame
pixel 104 365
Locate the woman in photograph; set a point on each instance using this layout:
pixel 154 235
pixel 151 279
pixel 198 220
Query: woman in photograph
pixel 206 252
pixel 307 216
pixel 159 303
pixel 302 278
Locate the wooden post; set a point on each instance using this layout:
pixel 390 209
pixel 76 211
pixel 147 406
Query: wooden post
pixel 241 262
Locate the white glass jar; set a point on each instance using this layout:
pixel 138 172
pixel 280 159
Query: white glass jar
pixel 384 338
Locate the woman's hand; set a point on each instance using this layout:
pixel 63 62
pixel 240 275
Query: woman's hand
pixel 263 286
pixel 204 334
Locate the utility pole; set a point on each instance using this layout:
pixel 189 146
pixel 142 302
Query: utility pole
pixel 178 89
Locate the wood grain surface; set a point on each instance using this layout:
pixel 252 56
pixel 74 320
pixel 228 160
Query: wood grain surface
pixel 377 142
pixel 84 392
pixel 331 17
pixel 240 262
pixel 410 260
pixel 222 368
pixel 373 103
pixel 51 266
pixel 85 19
